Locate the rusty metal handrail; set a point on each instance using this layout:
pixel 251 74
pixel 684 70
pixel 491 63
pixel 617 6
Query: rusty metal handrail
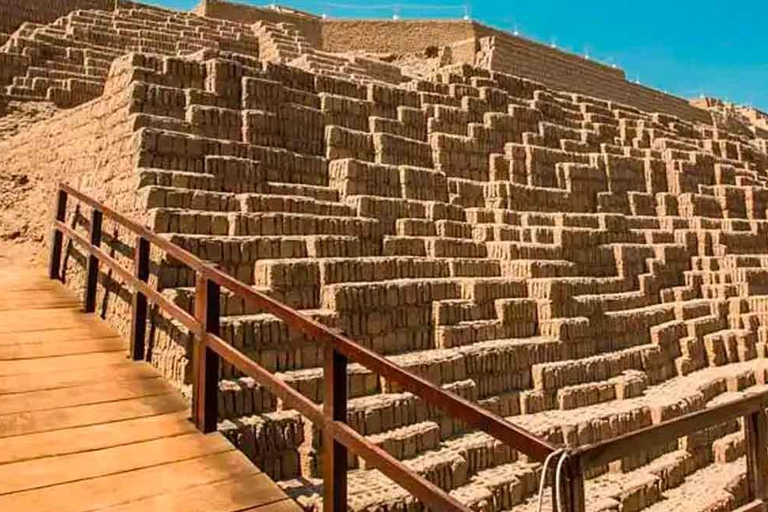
pixel 338 349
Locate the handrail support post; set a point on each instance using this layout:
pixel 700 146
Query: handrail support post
pixel 139 302
pixel 205 387
pixel 574 491
pixel 334 410
pixel 208 347
pixel 756 441
pixel 92 272
pixel 54 260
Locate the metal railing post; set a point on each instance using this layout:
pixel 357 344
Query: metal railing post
pixel 339 439
pixel 92 279
pixel 206 362
pixel 575 487
pixel 139 302
pixel 334 409
pixel 54 261
pixel 756 441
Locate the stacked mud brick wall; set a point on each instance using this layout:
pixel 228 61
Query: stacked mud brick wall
pixel 15 12
pixel 742 119
pixel 67 62
pixel 94 148
pixel 471 43
pixel 309 25
pixel 707 102
pixel 477 44
pixel 566 278
pixel 402 36
pixel 576 264
pixel 561 70
pixel 295 37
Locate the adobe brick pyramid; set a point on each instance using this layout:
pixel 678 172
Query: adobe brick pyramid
pixel 582 265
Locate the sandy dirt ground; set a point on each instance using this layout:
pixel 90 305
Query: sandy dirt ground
pixel 24 203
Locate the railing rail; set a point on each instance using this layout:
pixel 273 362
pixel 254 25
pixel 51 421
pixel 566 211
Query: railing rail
pixel 338 437
pixel 209 348
pixel 752 408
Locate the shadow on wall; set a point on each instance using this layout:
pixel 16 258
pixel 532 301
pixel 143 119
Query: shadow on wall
pixel 272 442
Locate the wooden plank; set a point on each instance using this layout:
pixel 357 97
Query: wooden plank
pixel 83 395
pixel 23 320
pixel 76 333
pixel 42 421
pixel 287 505
pixel 84 429
pixel 23 285
pixel 46 288
pixel 18 280
pixel 35 299
pixel 61 363
pixel 54 379
pixel 252 492
pixel 65 348
pixel 41 303
pixel 112 490
pixel 93 437
pixel 34 474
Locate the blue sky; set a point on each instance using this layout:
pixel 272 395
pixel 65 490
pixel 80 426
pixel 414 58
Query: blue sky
pixel 685 47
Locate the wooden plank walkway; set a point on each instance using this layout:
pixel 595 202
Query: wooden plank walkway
pixel 83 428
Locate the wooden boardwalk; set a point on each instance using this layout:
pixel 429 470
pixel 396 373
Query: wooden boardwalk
pixel 83 428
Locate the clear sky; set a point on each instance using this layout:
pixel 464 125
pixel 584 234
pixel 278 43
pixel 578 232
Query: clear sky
pixel 718 48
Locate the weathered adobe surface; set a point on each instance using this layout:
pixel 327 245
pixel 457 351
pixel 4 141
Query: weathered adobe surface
pixel 20 233
pixel 66 62
pixel 744 120
pixel 22 199
pixel 579 266
pixel 13 13
pixel 466 42
pixel 44 68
